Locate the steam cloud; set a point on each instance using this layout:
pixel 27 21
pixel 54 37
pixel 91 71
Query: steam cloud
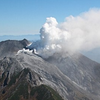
pixel 75 34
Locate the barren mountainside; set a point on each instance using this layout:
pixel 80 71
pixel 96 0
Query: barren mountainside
pixel 63 76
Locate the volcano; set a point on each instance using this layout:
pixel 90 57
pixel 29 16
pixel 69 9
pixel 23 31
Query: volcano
pixel 61 76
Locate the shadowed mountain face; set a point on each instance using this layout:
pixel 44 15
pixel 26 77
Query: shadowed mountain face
pixel 26 76
pixel 11 47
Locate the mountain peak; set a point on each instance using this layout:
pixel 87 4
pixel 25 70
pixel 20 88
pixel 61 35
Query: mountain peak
pixel 26 76
pixel 11 47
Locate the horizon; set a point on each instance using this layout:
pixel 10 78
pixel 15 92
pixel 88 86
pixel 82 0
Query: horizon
pixel 31 37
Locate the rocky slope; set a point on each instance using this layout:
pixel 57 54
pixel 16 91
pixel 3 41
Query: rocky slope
pixel 80 69
pixel 25 85
pixel 74 77
pixel 41 73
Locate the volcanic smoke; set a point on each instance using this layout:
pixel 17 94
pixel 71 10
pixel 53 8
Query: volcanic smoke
pixel 80 33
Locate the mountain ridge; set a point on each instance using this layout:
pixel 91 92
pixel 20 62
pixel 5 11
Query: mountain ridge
pixel 72 76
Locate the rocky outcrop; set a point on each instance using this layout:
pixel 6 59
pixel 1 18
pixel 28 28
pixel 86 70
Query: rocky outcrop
pixel 11 47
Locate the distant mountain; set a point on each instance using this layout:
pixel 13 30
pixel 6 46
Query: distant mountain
pixel 20 37
pixel 63 76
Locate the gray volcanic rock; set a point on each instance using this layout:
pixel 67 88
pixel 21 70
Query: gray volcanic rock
pixel 52 76
pixel 39 72
pixel 11 47
pixel 74 77
pixel 24 85
pixel 9 66
pixel 79 69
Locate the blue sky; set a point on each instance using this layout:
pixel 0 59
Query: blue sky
pixel 22 17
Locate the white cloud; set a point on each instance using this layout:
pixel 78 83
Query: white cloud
pixel 84 30
pixel 76 33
